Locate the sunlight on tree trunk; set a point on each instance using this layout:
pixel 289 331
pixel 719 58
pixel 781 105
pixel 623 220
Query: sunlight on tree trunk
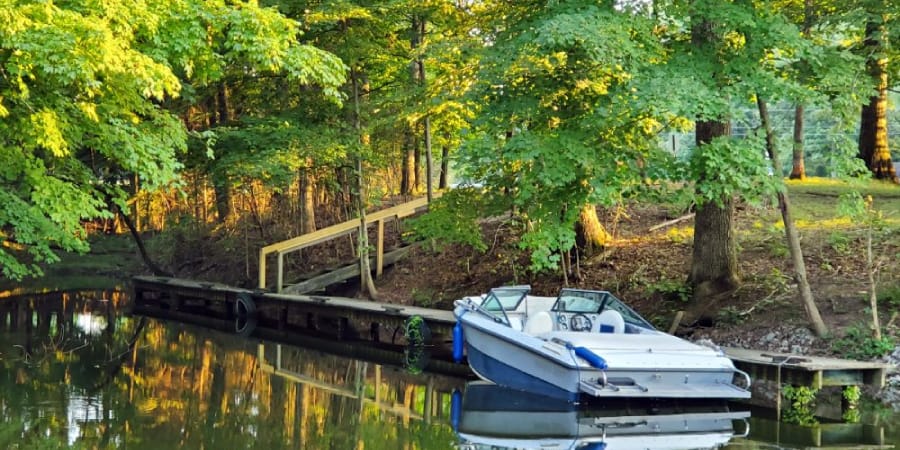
pixel 590 232
pixel 790 230
pixel 307 200
pixel 873 132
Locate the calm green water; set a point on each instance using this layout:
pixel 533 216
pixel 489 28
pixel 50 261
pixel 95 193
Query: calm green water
pixel 77 371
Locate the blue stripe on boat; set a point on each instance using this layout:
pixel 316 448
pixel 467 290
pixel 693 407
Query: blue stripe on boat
pixel 508 376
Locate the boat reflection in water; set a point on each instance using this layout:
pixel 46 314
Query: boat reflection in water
pixel 491 417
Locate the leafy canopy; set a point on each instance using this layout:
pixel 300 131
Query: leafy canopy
pixel 82 89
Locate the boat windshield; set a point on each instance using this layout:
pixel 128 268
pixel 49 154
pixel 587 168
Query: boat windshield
pixel 500 300
pixel 595 302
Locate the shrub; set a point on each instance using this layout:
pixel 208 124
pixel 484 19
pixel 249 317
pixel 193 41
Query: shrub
pixel 858 343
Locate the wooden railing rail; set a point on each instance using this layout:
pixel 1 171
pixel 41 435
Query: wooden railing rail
pixel 335 231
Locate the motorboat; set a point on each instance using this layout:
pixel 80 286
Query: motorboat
pixel 493 417
pixel 583 344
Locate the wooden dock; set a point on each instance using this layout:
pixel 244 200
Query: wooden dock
pixel 812 371
pixel 340 317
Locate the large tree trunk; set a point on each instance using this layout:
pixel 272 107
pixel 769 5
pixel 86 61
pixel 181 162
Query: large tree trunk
pixel 793 238
pixel 873 132
pixel 714 270
pixel 798 167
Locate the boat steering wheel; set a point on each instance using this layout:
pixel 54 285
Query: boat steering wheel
pixel 580 322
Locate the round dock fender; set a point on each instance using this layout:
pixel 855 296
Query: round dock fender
pixel 416 331
pixel 244 306
pixel 458 342
pixel 244 326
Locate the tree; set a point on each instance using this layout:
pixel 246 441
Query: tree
pixel 793 237
pixel 84 93
pixel 79 103
pixel 559 128
pixel 873 132
pixel 737 47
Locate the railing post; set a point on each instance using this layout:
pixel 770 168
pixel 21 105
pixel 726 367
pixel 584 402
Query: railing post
pixel 379 249
pixel 278 357
pixel 262 268
pixel 280 274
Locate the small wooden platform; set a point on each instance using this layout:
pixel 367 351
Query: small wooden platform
pixel 811 371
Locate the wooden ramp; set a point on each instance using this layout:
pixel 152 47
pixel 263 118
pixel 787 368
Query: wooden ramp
pixel 378 262
pixel 811 371
pixel 337 275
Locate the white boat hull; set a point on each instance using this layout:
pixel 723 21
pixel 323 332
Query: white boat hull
pixel 638 366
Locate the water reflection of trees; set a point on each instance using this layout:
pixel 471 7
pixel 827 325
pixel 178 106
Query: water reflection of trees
pixel 71 380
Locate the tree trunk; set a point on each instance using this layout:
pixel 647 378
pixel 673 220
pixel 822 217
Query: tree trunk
pixel 307 201
pixel 417 164
pixel 136 235
pixel 873 132
pixel 798 167
pixel 220 183
pixel 873 295
pixel 135 211
pixel 409 163
pixel 365 272
pixel 714 270
pixel 223 104
pixel 445 166
pixel 793 238
pixel 429 169
pixel 590 233
pixel 223 199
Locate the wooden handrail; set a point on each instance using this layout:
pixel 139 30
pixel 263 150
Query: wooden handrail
pixel 332 232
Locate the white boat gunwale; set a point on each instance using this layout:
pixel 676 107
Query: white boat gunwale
pixel 569 354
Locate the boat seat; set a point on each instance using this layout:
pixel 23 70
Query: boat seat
pixel 611 321
pixel 539 323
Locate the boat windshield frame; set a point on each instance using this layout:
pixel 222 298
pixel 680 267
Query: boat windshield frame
pixel 595 302
pixel 502 299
